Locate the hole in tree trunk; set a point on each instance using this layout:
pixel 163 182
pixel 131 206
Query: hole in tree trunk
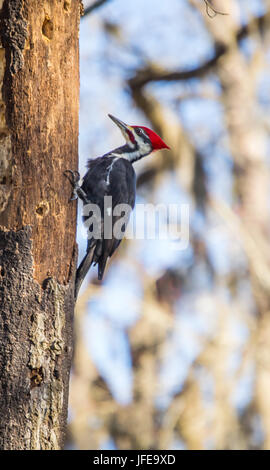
pixel 47 28
pixel 36 377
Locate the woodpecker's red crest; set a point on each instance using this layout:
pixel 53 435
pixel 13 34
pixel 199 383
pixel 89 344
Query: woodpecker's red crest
pixel 139 139
pixel 156 141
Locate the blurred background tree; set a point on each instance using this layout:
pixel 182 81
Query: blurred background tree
pixel 173 349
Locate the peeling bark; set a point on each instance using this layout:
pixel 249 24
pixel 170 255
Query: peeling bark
pixel 39 84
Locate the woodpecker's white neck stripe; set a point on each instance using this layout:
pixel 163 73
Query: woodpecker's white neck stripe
pixel 134 156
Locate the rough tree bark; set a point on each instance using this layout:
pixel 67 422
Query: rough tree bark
pixel 39 86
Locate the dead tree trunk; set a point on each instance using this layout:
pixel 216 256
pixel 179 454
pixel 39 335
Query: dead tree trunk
pixel 39 93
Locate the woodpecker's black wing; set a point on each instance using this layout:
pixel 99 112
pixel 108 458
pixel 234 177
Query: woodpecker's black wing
pixel 112 177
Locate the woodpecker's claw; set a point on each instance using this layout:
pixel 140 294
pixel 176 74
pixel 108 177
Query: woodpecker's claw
pixel 77 190
pixel 75 176
pixel 74 179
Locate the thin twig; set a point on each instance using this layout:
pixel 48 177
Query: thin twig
pixel 211 11
pixel 94 6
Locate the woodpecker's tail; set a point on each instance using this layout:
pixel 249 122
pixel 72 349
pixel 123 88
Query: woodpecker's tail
pixel 101 267
pixel 83 270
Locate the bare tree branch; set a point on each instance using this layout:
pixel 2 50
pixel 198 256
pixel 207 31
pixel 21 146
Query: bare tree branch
pixel 210 10
pixel 94 6
pixel 154 74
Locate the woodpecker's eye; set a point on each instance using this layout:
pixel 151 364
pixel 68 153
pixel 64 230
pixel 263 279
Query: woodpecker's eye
pixel 140 133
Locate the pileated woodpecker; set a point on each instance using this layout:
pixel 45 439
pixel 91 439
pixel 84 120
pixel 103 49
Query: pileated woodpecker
pixel 111 176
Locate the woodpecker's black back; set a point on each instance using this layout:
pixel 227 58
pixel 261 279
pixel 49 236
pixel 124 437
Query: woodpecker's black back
pixel 113 176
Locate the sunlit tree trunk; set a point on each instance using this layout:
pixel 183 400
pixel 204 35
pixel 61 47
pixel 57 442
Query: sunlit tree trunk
pixel 39 74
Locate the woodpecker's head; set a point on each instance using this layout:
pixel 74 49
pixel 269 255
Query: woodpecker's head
pixel 140 141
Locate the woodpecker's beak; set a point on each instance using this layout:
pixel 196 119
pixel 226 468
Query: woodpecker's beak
pixel 124 128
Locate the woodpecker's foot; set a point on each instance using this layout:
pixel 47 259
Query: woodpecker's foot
pixel 74 178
